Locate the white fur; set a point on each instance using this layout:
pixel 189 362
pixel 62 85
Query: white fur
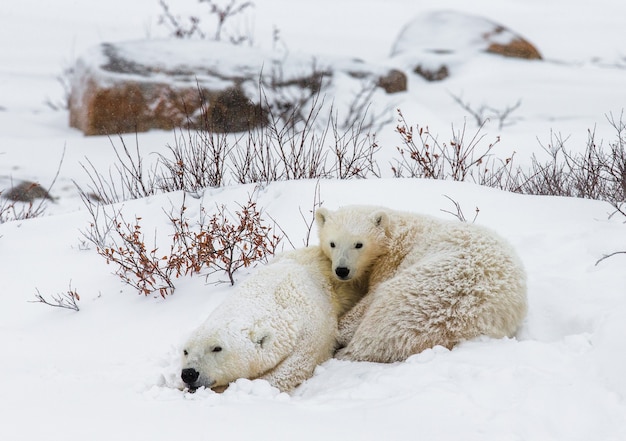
pixel 278 325
pixel 428 282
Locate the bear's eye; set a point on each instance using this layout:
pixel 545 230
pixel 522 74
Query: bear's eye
pixel 332 244
pixel 185 353
pixel 358 245
pixel 217 349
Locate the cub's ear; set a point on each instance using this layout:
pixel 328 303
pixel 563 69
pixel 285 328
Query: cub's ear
pixel 321 214
pixel 381 219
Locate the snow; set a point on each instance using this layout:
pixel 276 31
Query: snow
pixel 110 371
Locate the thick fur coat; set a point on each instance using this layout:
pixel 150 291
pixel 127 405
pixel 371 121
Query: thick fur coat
pixel 278 325
pixel 424 281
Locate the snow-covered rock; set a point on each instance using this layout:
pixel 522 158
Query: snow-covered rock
pixel 140 85
pixel 434 42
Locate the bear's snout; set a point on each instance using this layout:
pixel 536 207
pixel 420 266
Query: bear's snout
pixel 342 272
pixel 189 376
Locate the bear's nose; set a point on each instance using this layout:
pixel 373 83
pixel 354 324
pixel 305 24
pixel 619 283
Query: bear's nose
pixel 189 375
pixel 342 272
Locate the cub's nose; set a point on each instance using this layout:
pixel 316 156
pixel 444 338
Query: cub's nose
pixel 342 272
pixel 189 375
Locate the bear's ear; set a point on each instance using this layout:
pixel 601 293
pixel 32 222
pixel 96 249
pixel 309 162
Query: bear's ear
pixel 381 219
pixel 260 337
pixel 263 341
pixel 321 214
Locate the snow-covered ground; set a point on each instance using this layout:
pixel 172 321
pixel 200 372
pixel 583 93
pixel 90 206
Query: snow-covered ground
pixel 108 371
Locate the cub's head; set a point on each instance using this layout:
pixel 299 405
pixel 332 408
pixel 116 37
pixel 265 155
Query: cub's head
pixel 352 237
pixel 215 356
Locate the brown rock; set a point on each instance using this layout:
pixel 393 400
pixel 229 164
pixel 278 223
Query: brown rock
pixel 232 111
pixel 431 74
pixel 517 47
pixel 27 191
pixel 114 93
pixel 393 82
pixel 131 107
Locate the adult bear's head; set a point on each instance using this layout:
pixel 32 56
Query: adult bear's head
pixel 219 353
pixel 250 333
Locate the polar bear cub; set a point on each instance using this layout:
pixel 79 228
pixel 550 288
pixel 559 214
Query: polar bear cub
pixel 425 281
pixel 278 325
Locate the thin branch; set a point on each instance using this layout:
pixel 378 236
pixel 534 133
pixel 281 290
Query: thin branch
pixel 606 256
pixel 317 202
pixel 459 212
pixel 66 300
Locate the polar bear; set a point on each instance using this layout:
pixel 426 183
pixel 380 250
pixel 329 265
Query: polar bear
pixel 425 281
pixel 278 325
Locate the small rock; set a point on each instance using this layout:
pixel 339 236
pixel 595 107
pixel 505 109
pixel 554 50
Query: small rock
pixel 516 47
pixel 393 82
pixel 432 74
pixel 27 191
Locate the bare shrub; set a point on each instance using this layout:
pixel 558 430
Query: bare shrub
pixel 127 180
pixel 596 173
pixel 144 268
pixel 215 242
pixel 253 158
pixel 180 27
pixel 102 222
pixel 310 219
pixel 66 300
pixel 299 148
pixel 65 81
pixel 304 142
pixel 458 211
pixel 360 113
pixel 485 113
pixel 223 13
pixel 354 150
pixel 552 177
pixel 614 164
pixel 226 243
pixel 189 27
pixel 287 148
pixel 27 200
pixel 292 99
pixel 12 210
pixel 197 160
pixel 424 156
pixel 304 146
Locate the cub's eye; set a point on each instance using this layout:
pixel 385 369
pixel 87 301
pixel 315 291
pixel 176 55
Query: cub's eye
pixel 217 349
pixel 332 244
pixel 185 353
pixel 358 245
